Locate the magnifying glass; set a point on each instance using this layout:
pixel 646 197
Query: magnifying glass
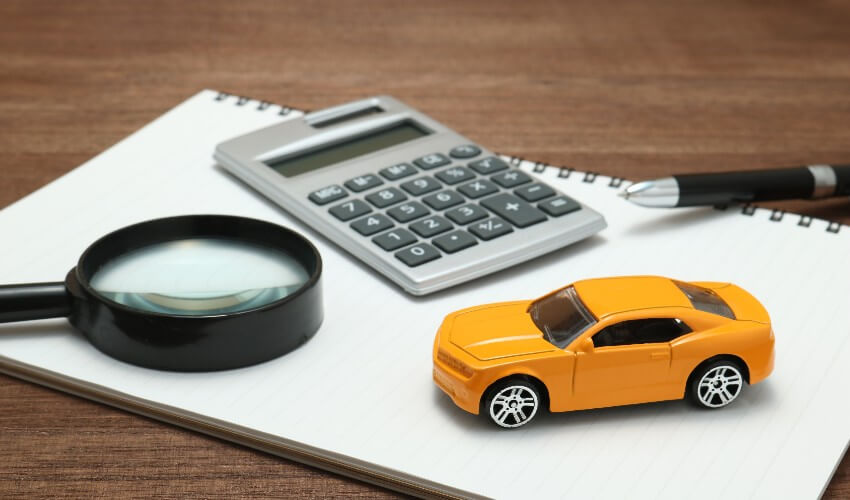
pixel 188 293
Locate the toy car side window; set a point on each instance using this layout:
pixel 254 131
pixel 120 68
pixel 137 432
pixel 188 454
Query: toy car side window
pixel 641 331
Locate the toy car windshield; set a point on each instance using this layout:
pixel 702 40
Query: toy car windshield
pixel 561 316
pixel 705 300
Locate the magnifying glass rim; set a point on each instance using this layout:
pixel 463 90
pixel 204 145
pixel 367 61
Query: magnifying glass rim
pixel 108 238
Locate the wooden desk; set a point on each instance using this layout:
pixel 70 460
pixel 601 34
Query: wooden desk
pixel 633 89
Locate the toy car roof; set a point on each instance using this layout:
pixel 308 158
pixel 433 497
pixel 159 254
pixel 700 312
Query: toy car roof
pixel 606 296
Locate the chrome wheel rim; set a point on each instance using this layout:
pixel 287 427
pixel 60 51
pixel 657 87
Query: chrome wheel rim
pixel 513 406
pixel 720 386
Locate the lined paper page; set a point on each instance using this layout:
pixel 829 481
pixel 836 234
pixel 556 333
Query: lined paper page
pixel 362 386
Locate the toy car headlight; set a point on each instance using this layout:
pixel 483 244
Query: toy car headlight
pixel 454 363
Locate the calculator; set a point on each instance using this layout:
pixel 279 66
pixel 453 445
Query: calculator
pixel 411 198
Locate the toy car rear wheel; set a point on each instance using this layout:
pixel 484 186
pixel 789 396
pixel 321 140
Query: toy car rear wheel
pixel 717 384
pixel 512 403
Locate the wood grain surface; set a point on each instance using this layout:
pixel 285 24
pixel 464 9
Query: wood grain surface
pixel 632 89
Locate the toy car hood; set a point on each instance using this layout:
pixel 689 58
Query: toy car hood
pixel 498 330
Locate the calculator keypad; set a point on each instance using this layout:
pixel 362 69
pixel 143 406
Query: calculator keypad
pixel 488 199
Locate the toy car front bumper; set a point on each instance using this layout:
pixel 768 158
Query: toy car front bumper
pixel 456 389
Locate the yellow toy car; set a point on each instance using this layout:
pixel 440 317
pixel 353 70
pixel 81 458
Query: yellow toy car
pixel 604 342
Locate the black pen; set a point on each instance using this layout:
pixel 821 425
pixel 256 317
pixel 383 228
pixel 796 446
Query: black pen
pixel 725 188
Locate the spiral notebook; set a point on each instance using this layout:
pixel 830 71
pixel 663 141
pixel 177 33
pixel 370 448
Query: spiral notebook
pixel 358 398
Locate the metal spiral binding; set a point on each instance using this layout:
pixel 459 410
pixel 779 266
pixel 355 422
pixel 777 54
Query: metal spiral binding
pixel 262 105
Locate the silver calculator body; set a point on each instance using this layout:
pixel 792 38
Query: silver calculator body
pixel 416 201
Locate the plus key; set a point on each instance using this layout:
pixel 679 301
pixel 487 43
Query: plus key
pixel 515 210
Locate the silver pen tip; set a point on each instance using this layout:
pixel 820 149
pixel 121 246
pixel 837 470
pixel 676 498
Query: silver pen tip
pixel 623 194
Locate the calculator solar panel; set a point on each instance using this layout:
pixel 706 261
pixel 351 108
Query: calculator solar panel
pixel 411 198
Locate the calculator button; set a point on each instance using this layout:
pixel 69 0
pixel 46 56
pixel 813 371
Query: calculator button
pixel 349 210
pixel 371 224
pixel 489 165
pixel 421 186
pixel 432 160
pixel 511 178
pixel 534 192
pixel 408 211
pixel 479 188
pixel 516 211
pixel 466 214
pixel 559 206
pixel 454 241
pixel 392 240
pixel 363 182
pixel 490 228
pixel 465 151
pixel 327 194
pixel 418 254
pixel 386 197
pixel 397 171
pixel 455 175
pixel 443 200
pixel 431 226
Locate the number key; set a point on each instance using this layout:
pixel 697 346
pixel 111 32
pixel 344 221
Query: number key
pixel 408 211
pixel 421 186
pixel 394 239
pixel 386 197
pixel 431 226
pixel 466 214
pixel 371 224
pixel 349 210
pixel 418 254
pixel 443 200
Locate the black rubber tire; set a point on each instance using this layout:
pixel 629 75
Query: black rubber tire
pixel 731 378
pixel 514 412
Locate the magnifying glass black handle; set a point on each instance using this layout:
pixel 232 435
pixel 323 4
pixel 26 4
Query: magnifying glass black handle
pixel 34 301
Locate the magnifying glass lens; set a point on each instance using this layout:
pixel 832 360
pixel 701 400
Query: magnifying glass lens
pixel 199 276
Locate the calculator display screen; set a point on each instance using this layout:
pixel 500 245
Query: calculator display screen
pixel 348 149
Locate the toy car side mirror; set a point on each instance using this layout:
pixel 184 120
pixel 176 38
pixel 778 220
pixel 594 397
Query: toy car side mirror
pixel 585 346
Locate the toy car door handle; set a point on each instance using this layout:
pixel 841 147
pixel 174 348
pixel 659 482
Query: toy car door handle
pixel 659 355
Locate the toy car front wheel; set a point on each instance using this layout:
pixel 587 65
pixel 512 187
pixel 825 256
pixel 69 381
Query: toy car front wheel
pixel 717 384
pixel 512 403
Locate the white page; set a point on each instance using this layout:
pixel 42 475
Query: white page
pixel 362 386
